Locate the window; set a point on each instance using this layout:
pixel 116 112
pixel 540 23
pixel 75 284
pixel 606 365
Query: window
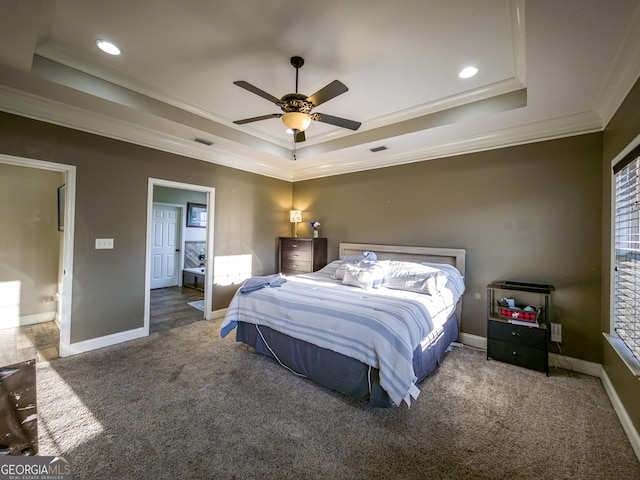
pixel 626 303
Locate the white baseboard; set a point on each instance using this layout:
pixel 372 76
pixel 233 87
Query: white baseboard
pixel 623 416
pixel 575 365
pixel 555 360
pixel 100 342
pixel 474 341
pixel 28 320
pixel 218 313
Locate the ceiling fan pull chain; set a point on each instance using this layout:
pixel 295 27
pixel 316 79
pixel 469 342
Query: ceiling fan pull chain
pixel 295 132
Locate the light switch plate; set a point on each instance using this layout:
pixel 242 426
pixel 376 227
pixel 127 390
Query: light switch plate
pixel 104 243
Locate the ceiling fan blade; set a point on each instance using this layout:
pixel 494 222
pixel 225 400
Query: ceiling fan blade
pixel 257 91
pixel 325 94
pixel 339 122
pixel 300 137
pixel 257 119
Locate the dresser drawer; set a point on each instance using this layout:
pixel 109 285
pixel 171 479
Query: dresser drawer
pixel 518 334
pixel 296 245
pixel 515 354
pixel 295 267
pixel 296 255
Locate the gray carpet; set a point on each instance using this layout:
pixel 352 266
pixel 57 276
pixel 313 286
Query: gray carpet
pixel 186 404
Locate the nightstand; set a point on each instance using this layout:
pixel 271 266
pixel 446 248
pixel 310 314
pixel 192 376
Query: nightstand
pixel 301 255
pixel 514 335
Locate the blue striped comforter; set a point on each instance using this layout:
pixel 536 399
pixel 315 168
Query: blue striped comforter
pixel 379 327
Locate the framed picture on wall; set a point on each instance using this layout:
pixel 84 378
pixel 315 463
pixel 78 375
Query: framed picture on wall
pixel 196 215
pixel 61 200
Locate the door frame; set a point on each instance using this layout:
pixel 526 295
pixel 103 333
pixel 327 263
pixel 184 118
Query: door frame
pixel 208 287
pixel 65 302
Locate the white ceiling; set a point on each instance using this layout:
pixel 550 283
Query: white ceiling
pixel 547 69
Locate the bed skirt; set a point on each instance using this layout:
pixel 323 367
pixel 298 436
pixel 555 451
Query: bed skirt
pixel 337 371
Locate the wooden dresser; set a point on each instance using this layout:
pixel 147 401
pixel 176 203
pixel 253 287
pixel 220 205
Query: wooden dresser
pixel 301 255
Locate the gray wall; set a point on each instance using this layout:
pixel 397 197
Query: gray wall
pixel 177 196
pixel 621 131
pixel 251 212
pixel 29 237
pixel 527 213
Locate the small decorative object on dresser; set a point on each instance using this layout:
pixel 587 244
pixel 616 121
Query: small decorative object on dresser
pixel 315 226
pixel 517 328
pixel 301 255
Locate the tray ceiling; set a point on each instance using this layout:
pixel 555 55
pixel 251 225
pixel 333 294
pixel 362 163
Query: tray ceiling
pixel 546 69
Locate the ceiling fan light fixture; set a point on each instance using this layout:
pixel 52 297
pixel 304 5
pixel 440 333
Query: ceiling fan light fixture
pixel 296 121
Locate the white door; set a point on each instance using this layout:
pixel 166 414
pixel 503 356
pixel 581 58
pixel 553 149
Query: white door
pixel 165 250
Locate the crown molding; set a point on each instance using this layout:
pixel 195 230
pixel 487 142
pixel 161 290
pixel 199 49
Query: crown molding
pixel 578 124
pixel 623 75
pixel 32 97
pixel 44 109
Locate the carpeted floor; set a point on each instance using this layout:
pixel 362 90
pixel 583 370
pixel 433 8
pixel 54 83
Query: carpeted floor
pixel 186 404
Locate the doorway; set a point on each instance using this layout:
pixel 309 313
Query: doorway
pixel 157 227
pixel 65 271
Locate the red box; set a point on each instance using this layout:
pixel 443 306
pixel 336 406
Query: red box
pixel 518 314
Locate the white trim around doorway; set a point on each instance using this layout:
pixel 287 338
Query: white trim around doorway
pixel 64 308
pixel 208 290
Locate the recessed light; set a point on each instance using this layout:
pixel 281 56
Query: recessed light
pixel 468 72
pixel 107 47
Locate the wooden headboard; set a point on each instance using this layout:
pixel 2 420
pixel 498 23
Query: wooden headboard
pixel 450 256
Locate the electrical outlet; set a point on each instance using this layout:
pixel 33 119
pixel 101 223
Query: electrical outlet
pixel 556 332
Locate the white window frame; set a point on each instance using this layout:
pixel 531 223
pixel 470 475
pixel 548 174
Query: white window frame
pixel 630 155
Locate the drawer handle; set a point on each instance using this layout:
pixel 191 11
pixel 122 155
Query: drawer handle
pixel 294 245
pixel 515 334
pixel 515 354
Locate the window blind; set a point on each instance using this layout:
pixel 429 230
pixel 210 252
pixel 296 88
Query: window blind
pixel 627 253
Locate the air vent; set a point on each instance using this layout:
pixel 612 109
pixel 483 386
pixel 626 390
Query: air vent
pixel 203 141
pixel 378 149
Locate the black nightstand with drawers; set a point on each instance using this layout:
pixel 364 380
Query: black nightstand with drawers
pixel 510 338
pixel 301 255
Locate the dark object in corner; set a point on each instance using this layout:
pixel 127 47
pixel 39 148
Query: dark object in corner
pixel 18 409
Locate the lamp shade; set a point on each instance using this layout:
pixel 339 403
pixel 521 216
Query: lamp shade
pixel 295 216
pixel 296 121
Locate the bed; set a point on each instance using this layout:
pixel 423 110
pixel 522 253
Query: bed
pixel 372 344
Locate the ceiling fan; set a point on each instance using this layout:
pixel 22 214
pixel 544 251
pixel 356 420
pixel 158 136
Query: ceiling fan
pixel 297 107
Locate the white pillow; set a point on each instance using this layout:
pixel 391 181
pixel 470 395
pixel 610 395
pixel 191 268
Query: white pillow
pixel 339 273
pixel 453 274
pixel 415 277
pixel 366 276
pixel 379 275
